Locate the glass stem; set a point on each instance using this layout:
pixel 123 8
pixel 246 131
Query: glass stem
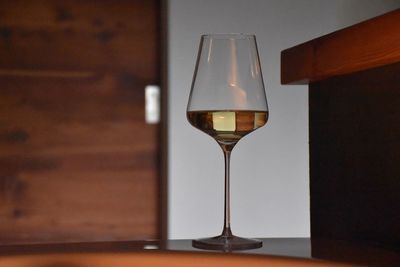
pixel 227 232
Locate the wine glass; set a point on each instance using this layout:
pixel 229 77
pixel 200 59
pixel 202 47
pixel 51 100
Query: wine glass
pixel 227 101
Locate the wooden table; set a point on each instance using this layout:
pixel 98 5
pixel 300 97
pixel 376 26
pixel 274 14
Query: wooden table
pixel 275 252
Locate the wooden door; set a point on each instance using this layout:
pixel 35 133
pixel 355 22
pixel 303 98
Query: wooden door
pixel 77 160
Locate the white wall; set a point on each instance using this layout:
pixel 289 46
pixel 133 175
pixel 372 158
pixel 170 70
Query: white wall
pixel 270 189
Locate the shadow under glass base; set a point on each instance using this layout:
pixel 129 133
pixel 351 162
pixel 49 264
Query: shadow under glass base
pixel 227 243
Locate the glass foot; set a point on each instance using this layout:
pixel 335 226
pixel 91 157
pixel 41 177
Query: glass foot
pixel 226 243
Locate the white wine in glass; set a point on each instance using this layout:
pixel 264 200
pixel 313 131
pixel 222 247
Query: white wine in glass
pixel 227 126
pixel 227 101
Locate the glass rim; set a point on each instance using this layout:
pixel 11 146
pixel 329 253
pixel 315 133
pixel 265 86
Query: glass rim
pixel 228 36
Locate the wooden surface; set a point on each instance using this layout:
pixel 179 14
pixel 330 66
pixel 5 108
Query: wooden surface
pixel 105 35
pixel 283 251
pixel 77 160
pixel 155 259
pixel 354 157
pixel 355 253
pixel 366 45
pixel 354 113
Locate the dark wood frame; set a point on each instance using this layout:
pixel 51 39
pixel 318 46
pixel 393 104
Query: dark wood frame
pixel 164 121
pixel 354 110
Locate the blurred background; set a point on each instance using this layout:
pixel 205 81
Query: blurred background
pixel 80 162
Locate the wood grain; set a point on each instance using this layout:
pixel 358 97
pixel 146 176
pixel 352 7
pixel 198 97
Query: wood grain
pixel 74 164
pixel 157 258
pixel 366 45
pixel 321 250
pixel 76 35
pixel 77 160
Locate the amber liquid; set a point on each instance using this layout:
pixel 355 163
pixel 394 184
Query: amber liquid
pixel 227 126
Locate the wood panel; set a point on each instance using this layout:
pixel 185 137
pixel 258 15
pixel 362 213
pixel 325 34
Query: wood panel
pixel 77 160
pixel 355 155
pixel 366 45
pixel 103 35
